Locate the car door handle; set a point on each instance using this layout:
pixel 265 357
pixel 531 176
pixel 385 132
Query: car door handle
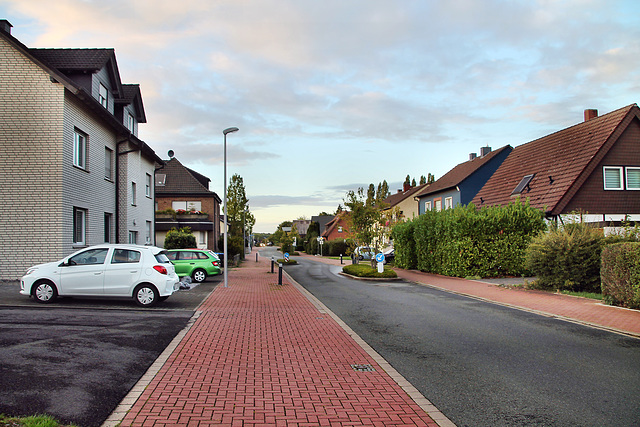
pixel 97 273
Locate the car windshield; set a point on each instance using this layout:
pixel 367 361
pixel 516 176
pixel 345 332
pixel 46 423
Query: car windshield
pixel 162 258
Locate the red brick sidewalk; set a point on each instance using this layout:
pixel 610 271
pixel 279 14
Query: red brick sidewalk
pixel 262 354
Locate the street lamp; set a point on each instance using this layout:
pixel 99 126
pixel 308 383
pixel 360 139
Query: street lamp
pixel 226 229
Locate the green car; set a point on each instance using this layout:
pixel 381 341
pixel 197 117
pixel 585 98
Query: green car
pixel 197 263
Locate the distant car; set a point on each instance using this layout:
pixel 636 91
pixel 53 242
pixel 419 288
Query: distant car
pixel 364 252
pixel 389 256
pixel 143 273
pixel 197 263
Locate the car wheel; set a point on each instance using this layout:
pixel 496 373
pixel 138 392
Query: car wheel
pixel 199 275
pixel 361 258
pixel 45 292
pixel 146 295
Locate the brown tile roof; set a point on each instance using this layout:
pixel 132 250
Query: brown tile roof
pixel 399 197
pixel 560 162
pixel 461 172
pixel 182 180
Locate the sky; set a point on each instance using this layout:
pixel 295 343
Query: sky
pixel 333 95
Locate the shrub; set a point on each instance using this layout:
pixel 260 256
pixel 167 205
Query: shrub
pixel 180 239
pixel 404 245
pixel 567 258
pixel 336 247
pixel 365 270
pixel 620 274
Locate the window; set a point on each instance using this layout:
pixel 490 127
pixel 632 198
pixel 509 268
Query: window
pixel 107 227
pixel 524 184
pixel 612 178
pixel 202 238
pixel 79 149
pixel 186 206
pixel 103 96
pixel 133 237
pixel 149 231
pixel 133 194
pixel 161 178
pixel 147 187
pixel 427 206
pixel 633 178
pixel 79 226
pixel 448 203
pixel 437 205
pixel 130 123
pixel 339 229
pixel 108 163
pixel 125 256
pixel 92 256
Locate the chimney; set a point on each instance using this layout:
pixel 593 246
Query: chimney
pixel 590 114
pixel 484 151
pixel 5 26
pixel 472 156
pixel 406 186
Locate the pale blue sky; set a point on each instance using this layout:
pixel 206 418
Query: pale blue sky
pixel 332 95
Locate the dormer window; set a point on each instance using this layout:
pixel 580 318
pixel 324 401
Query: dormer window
pixel 524 184
pixel 103 96
pixel 130 123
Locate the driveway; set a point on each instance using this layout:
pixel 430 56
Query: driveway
pixel 76 359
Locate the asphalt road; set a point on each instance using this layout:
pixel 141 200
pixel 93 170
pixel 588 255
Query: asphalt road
pixel 76 359
pixel 485 364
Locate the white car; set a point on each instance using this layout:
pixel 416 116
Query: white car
pixel 143 273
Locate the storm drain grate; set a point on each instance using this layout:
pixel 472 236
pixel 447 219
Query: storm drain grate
pixel 363 368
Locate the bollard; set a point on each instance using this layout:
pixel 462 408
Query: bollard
pixel 273 261
pixel 280 274
pixel 340 259
pixel 256 256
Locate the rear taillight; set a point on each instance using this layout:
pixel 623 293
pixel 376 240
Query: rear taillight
pixel 160 269
pixel 215 263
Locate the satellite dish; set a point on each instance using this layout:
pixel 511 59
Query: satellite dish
pixel 171 153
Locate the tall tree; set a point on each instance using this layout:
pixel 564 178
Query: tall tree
pixel 423 179
pixel 239 218
pixel 383 192
pixel 371 195
pixel 431 179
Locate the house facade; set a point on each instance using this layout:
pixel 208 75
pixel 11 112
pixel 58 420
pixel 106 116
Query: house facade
pixel 461 184
pixel 591 169
pixel 186 192
pixel 337 228
pixel 73 168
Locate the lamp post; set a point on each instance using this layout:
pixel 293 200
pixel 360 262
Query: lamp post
pixel 226 228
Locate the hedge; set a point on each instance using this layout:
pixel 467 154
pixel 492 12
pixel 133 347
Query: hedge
pixel 620 274
pixel 465 241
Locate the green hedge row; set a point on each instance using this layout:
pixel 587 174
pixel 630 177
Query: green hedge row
pixel 620 274
pixel 465 241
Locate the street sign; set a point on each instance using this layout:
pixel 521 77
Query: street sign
pixel 380 257
pixel 286 256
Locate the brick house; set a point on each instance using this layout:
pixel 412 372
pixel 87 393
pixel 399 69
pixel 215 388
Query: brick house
pixel 73 170
pixel 592 167
pixel 462 183
pixel 182 189
pixel 338 227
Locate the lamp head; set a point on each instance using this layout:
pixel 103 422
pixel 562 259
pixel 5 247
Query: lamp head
pixel 229 130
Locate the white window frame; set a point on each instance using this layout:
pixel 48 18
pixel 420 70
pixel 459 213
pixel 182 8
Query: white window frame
pixel 79 149
pixel 79 226
pixel 149 232
pixel 635 169
pixel 108 163
pixel 133 194
pixel 103 95
pixel 147 188
pixel 437 205
pixel 186 205
pixel 620 171
pixel 427 206
pixel 133 237
pixel 131 123
pixel 448 203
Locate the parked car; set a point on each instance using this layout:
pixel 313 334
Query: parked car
pixel 389 256
pixel 197 263
pixel 364 252
pixel 143 273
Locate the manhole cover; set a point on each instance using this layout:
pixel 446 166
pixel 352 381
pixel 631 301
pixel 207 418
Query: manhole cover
pixel 363 368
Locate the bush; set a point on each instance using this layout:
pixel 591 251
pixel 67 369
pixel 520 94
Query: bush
pixel 464 241
pixel 620 274
pixel 180 239
pixel 336 247
pixel 567 258
pixel 365 270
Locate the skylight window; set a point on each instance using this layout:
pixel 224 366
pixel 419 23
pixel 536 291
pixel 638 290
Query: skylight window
pixel 524 184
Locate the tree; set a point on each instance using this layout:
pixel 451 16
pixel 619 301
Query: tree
pixel 180 239
pixel 365 220
pixel 383 192
pixel 431 179
pixel 423 180
pixel 413 182
pixel 239 218
pixel 371 195
pixel 407 180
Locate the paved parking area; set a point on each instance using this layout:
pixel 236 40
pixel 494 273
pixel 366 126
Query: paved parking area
pixel 76 359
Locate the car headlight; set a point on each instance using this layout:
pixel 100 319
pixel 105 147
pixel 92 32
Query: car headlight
pixel 29 271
